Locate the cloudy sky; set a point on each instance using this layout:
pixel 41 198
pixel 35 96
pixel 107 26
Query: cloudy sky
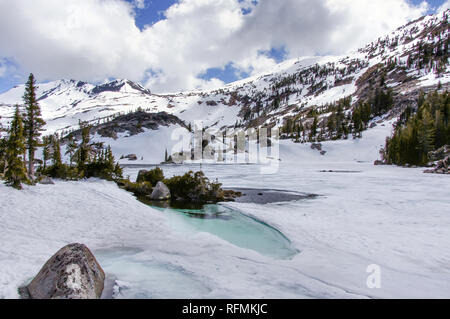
pixel 170 45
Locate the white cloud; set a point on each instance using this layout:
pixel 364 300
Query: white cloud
pixel 326 26
pixel 95 39
pixel 140 4
pixel 445 6
pixel 255 64
pixel 83 39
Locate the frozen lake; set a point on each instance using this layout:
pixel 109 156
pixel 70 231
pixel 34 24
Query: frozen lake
pixel 365 217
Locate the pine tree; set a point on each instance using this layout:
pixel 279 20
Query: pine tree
pixel 33 122
pixel 109 159
pixel 46 150
pixel 2 151
pixel 56 154
pixel 3 143
pixel 71 149
pixel 313 133
pixel 15 173
pixel 85 148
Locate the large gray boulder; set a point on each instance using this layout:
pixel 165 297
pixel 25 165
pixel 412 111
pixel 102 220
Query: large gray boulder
pixel 160 192
pixel 72 273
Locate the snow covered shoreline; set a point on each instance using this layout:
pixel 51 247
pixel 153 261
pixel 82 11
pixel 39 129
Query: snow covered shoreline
pixel 393 217
pixel 339 234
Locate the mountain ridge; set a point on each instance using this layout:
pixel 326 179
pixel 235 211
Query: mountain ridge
pixel 409 59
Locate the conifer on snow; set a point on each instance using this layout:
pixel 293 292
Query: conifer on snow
pixel 33 122
pixel 15 173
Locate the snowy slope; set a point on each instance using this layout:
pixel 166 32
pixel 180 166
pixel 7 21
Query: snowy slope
pixel 299 84
pixel 395 218
pixel 392 217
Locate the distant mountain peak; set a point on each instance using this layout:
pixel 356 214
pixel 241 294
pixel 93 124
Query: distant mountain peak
pixel 413 57
pixel 119 85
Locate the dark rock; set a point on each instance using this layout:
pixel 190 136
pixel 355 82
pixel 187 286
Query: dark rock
pixel 131 157
pixel 442 167
pixel 373 125
pixel 316 146
pixel 72 273
pixel 133 124
pixel 160 192
pixel 378 163
pixel 211 103
pixel 439 154
pixel 116 86
pixel 323 153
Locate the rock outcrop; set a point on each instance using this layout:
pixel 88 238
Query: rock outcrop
pixel 442 167
pixel 131 157
pixel 133 124
pixel 72 273
pixel 439 154
pixel 316 146
pixel 160 192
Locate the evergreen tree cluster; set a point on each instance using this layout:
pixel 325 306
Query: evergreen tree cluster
pixel 335 121
pixel 361 116
pixel 418 133
pixel 87 159
pixel 23 138
pixel 15 171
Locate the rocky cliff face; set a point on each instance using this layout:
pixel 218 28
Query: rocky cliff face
pixel 133 124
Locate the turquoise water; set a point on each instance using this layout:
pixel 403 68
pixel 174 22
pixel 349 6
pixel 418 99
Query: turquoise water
pixel 233 226
pixel 131 275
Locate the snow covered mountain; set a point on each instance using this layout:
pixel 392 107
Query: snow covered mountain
pixel 406 61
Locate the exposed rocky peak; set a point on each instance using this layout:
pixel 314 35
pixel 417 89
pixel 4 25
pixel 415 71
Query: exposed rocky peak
pixel 119 86
pixel 64 87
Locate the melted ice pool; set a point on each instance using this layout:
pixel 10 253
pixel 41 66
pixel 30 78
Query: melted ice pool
pixel 130 274
pixel 234 227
